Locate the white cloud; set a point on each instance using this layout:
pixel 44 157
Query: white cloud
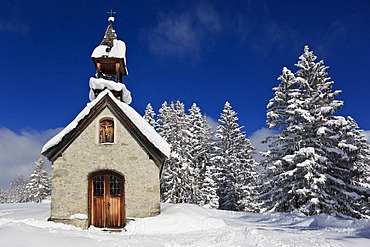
pixel 182 34
pixel 18 152
pixel 212 122
pixel 257 137
pixel 367 135
pixel 174 36
pixel 209 18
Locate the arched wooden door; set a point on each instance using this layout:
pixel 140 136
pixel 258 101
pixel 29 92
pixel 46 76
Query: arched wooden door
pixel 106 199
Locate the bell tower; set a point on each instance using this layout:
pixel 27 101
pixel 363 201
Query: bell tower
pixel 110 58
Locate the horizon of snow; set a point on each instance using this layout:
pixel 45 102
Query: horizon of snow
pixel 148 131
pixel 183 225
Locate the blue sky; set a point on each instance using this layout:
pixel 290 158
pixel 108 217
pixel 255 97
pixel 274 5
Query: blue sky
pixel 206 52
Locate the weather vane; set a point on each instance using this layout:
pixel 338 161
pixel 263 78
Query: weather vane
pixel 111 13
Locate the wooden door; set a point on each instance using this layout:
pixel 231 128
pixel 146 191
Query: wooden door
pixel 106 200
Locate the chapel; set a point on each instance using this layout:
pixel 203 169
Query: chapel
pixel 106 163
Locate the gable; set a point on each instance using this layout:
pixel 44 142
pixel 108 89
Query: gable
pixel 150 141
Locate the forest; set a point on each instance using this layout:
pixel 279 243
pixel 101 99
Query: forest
pixel 317 162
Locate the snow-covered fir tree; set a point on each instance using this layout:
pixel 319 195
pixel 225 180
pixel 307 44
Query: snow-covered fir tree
pixel 189 176
pixel 39 186
pixel 176 184
pixel 358 150
pixel 199 132
pixel 149 115
pixel 17 190
pixel 3 196
pixel 209 188
pixel 308 167
pixel 349 172
pixel 234 167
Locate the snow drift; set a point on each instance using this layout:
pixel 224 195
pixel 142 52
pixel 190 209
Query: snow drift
pixel 183 225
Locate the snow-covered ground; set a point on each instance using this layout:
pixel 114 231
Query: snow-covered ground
pixel 183 225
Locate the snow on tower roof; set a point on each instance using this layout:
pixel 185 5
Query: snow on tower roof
pixel 118 50
pixel 100 83
pixel 111 47
pixel 144 127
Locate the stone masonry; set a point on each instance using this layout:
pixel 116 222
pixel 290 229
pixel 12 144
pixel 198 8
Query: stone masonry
pixel 86 155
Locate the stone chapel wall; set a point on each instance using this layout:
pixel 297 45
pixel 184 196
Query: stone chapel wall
pixel 86 155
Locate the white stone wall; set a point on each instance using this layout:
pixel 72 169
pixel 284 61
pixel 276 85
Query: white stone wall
pixel 86 155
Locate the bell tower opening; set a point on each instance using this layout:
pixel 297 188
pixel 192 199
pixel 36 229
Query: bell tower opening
pixel 110 59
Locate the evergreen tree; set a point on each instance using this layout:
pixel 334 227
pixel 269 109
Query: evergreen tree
pixel 149 115
pixel 17 190
pixel 199 133
pixel 246 175
pixel 3 196
pixel 38 188
pixel 307 169
pixel 358 150
pixel 176 186
pixel 234 166
pixel 209 197
pixel 348 171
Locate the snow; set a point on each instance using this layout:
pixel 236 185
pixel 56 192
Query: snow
pixel 71 126
pixel 336 150
pixel 135 117
pixel 100 83
pixel 177 218
pixel 322 130
pixel 142 125
pixel 79 217
pixel 183 225
pixel 306 151
pixel 118 50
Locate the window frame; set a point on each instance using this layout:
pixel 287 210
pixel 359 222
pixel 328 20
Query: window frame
pixel 106 140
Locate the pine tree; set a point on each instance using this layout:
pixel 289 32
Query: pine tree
pixel 358 150
pixel 283 188
pixel 209 197
pixel 348 172
pixel 307 169
pixel 17 190
pixel 176 186
pixel 149 115
pixel 198 147
pixel 3 196
pixel 38 188
pixel 234 166
pixel 246 175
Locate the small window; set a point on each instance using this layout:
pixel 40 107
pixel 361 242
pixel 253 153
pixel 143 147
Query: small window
pixel 115 186
pixel 98 185
pixel 106 131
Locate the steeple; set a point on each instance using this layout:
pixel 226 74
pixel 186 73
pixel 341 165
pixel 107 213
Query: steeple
pixel 110 59
pixel 110 56
pixel 110 34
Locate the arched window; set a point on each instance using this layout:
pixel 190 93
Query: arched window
pixel 106 131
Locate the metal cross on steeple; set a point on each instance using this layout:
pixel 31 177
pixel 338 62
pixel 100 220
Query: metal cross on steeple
pixel 111 13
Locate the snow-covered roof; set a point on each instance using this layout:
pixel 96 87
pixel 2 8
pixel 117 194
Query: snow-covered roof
pixel 111 47
pixel 101 83
pixel 118 50
pixel 144 127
